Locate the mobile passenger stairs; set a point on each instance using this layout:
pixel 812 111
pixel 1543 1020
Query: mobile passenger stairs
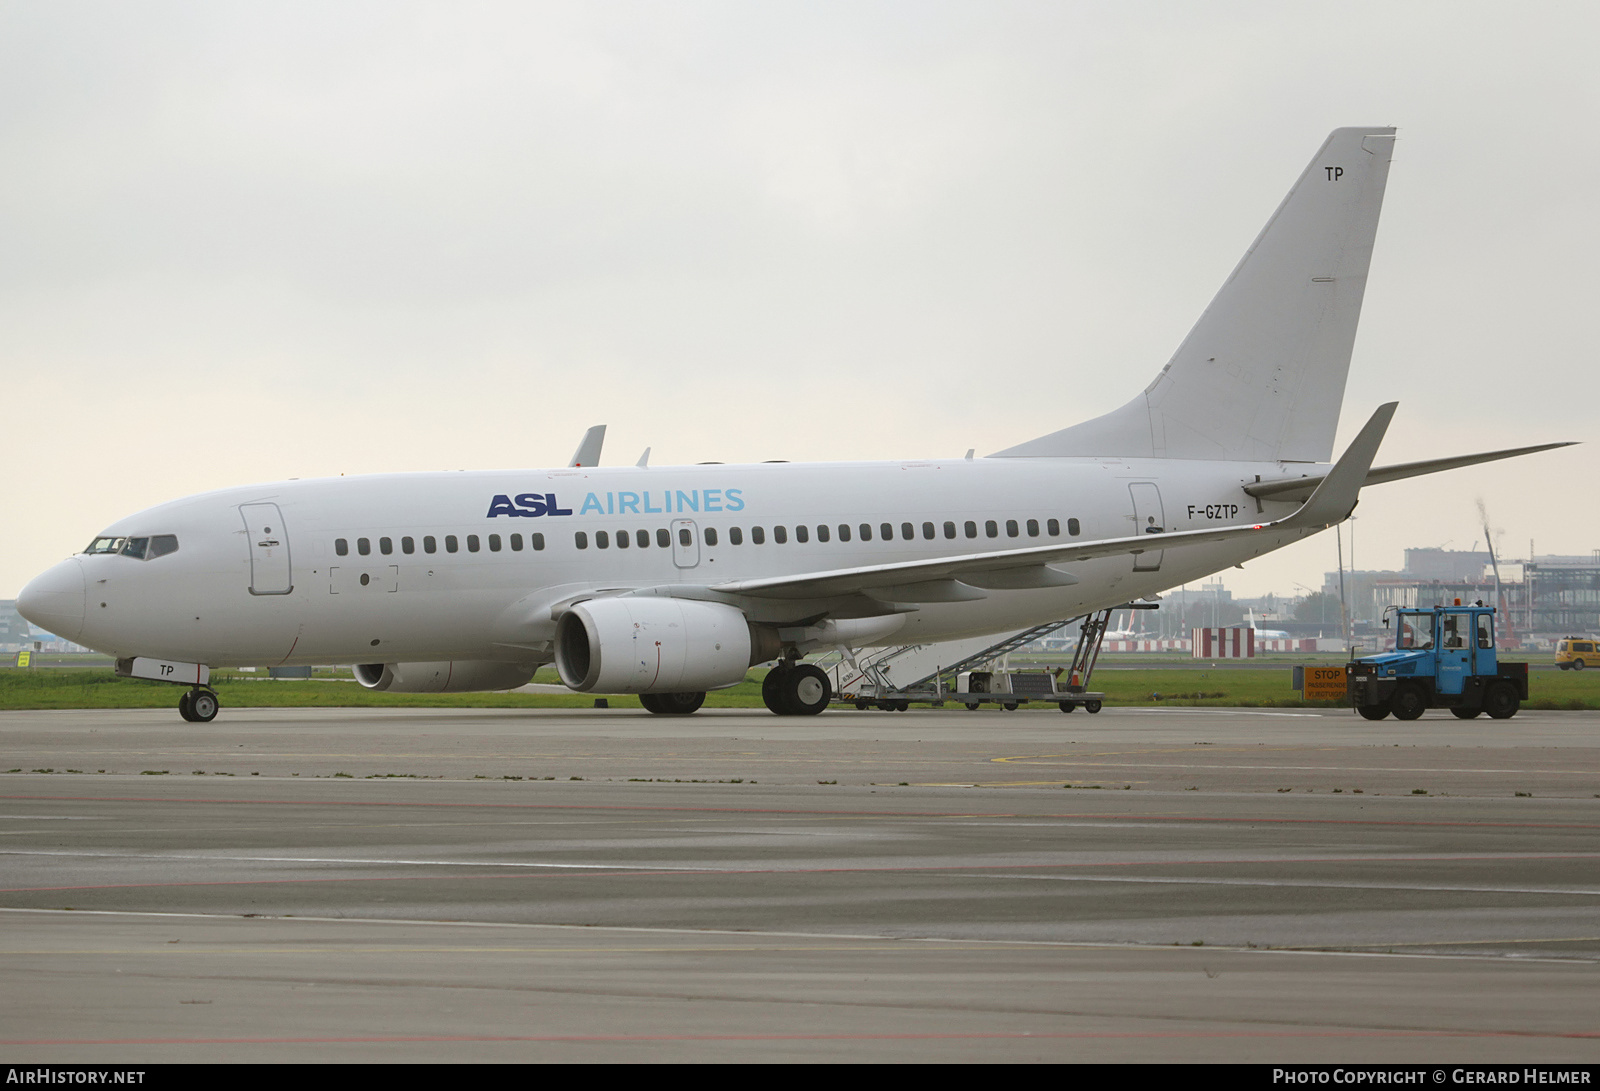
pixel 976 673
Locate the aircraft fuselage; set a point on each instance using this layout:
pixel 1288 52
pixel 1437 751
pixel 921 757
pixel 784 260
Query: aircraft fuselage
pixel 441 566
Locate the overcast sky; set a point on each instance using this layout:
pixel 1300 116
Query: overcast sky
pixel 244 242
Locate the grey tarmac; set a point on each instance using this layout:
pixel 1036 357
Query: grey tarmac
pixel 462 885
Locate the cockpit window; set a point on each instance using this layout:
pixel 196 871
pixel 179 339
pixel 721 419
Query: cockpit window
pixel 144 549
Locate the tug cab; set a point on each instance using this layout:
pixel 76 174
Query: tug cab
pixel 1443 657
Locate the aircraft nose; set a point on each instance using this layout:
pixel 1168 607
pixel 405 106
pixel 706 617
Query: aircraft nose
pixel 53 600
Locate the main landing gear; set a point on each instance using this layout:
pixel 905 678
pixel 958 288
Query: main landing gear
pixel 198 705
pixel 796 689
pixel 672 704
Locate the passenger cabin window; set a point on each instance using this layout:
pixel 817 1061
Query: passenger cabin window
pixel 1033 528
pixel 907 531
pixel 779 535
pixel 363 546
pixel 516 543
pixel 430 544
pixel 844 532
pixel 1053 526
pixel 494 543
pixel 970 529
pixel 386 546
pixel 710 536
pixel 823 533
pixel 602 540
pixel 472 543
pixel 802 533
pixel 341 546
pixel 757 535
pixel 1011 528
pixel 623 540
pixel 687 539
pixel 643 538
pixel 1072 527
pixel 536 540
pixel 664 540
pixel 451 545
pixel 866 532
pixel 949 529
pixel 991 528
pixel 408 545
pixel 735 535
pixel 581 540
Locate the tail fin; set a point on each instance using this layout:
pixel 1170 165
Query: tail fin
pixel 1261 376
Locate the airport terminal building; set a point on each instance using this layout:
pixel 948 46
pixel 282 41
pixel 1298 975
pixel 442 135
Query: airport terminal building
pixel 1545 598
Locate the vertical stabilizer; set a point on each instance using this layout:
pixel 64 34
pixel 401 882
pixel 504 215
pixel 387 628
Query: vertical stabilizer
pixel 1261 376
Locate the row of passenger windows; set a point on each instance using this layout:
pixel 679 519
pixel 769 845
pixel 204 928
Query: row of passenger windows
pixel 824 533
pixel 642 539
pixel 430 544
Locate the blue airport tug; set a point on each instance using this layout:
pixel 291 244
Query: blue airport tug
pixel 1443 657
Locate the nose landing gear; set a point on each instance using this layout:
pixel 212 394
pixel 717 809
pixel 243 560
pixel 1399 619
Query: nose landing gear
pixel 198 705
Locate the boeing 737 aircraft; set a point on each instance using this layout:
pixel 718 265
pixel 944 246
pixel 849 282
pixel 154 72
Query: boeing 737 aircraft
pixel 671 581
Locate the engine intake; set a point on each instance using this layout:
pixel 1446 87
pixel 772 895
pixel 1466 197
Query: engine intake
pixel 652 645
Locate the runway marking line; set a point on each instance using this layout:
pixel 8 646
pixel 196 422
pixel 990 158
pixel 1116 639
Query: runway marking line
pixel 547 871
pixel 944 943
pixel 819 813
pixel 1015 1036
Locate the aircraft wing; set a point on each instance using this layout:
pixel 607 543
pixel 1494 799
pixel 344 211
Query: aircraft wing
pixel 1298 488
pixel 952 579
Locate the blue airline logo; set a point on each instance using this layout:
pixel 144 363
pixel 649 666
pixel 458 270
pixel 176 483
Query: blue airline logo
pixel 531 505
pixel 528 505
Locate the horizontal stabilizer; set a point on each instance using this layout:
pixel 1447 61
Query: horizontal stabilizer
pixel 1333 500
pixel 1299 488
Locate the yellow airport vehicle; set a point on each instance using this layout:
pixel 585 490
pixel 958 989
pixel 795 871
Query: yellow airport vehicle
pixel 1573 653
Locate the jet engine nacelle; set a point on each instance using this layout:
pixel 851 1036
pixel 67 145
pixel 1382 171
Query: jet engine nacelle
pixel 651 645
pixel 450 676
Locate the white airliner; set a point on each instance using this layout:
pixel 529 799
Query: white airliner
pixel 671 581
pixel 1266 634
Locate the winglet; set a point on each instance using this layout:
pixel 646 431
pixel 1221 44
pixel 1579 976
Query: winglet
pixel 1336 497
pixel 588 452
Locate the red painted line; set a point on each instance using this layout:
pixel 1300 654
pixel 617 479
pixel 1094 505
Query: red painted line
pixel 609 807
pixel 290 652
